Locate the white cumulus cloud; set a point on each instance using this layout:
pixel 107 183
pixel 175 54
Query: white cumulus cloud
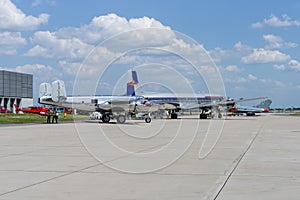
pixel 36 3
pixel 239 50
pixel 10 41
pixel 262 55
pixel 12 18
pixel 275 21
pixel 276 42
pixel 272 82
pixel 239 46
pixel 78 42
pixel 292 65
pixel 49 45
pixel 69 68
pixel 125 42
pixel 280 67
pixel 40 72
pixel 232 68
pixel 38 51
pixel 31 68
pixel 251 77
pixel 103 27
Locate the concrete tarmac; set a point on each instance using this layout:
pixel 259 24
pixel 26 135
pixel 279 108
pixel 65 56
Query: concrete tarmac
pixel 237 158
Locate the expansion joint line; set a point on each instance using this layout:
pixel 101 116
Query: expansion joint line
pixel 49 179
pixel 238 162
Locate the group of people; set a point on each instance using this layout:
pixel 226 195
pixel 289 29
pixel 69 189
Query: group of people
pixel 54 116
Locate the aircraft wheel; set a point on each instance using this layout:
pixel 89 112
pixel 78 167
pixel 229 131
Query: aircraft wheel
pixel 203 116
pixel 105 118
pixel 121 119
pixel 220 116
pixel 250 114
pixel 174 116
pixel 147 119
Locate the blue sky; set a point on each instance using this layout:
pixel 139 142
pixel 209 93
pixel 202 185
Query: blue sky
pixel 254 44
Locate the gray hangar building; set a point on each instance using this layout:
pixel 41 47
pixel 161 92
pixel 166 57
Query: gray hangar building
pixel 15 88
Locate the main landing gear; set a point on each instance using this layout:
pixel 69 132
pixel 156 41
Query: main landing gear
pixel 203 116
pixel 121 119
pixel 147 119
pixel 173 114
pixel 105 118
pixel 213 114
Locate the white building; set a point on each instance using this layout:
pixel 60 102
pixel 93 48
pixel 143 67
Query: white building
pixel 15 88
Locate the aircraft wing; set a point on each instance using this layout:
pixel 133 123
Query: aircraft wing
pixel 114 105
pixel 229 103
pixel 251 99
pixel 169 106
pixel 249 109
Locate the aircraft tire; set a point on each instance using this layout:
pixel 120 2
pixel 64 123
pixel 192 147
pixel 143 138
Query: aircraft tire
pixel 203 116
pixel 121 119
pixel 105 118
pixel 250 114
pixel 147 119
pixel 174 116
pixel 220 116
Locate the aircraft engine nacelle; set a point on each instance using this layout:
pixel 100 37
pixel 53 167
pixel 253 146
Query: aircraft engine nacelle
pixel 45 90
pixel 59 93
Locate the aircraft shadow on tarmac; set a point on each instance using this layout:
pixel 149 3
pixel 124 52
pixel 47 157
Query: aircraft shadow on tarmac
pixel 129 122
pixel 134 122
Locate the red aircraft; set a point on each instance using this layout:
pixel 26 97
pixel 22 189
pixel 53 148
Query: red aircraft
pixel 32 109
pixel 4 110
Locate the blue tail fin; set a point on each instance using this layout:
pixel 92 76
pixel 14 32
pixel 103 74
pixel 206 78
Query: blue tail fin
pixel 130 85
pixel 130 90
pixel 134 77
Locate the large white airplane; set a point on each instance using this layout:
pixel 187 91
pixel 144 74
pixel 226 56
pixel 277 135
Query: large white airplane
pixel 207 104
pixel 110 107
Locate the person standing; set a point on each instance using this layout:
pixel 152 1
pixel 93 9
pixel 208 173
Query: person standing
pixel 65 114
pixel 55 116
pixel 48 116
